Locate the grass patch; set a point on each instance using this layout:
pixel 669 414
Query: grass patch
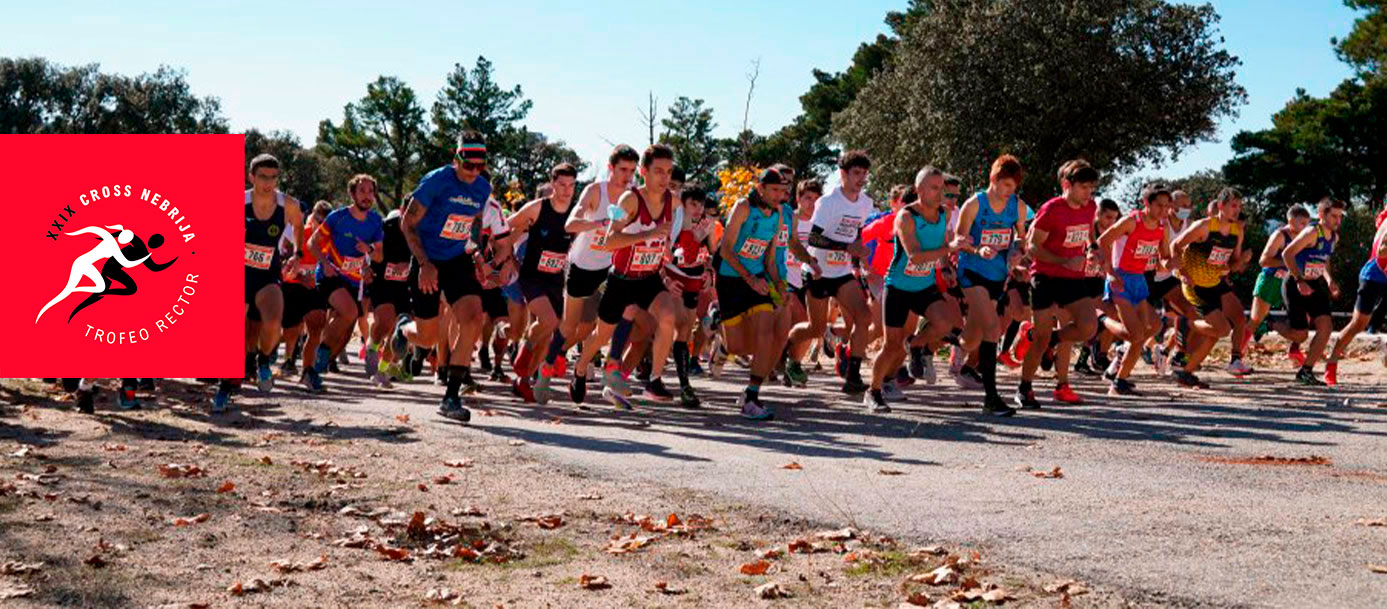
pixel 888 564
pixel 546 552
pixel 8 504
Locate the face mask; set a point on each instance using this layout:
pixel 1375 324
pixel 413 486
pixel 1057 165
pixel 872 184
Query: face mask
pixel 1183 214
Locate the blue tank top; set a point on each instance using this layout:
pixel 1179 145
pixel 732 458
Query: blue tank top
pixel 758 233
pixel 908 277
pixel 1314 260
pixel 994 229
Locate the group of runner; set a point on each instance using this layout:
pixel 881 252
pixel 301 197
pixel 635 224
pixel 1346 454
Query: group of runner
pixel 643 267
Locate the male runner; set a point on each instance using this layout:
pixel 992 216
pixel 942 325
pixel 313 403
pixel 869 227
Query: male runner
pixel 541 271
pixel 807 195
pixel 347 241
pixel 305 307
pixel 1310 288
pixel 687 266
pixel 835 239
pixel 444 221
pixel 1372 295
pixel 1266 294
pixel 1209 249
pixel 391 279
pixel 1133 245
pixel 1062 245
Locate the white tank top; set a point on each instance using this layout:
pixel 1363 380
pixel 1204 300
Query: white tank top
pixel 584 253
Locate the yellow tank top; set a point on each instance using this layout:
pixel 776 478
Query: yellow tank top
pixel 1206 263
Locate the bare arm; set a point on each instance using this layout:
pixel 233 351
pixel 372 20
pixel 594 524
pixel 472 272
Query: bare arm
pixel 963 241
pixel 1194 233
pixel 523 219
pixel 728 246
pixel 1303 240
pixel 616 239
pixel 586 205
pixel 1269 259
pixel 1125 226
pixel 409 225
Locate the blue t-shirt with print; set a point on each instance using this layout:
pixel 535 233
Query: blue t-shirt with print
pixel 452 206
pixel 344 229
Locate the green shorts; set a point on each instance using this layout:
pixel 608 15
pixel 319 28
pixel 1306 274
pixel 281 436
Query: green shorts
pixel 1268 288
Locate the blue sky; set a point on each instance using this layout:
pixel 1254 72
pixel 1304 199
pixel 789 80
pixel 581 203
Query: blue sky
pixel 587 66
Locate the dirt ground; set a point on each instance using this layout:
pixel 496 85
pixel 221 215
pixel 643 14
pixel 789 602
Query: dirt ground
pixel 291 504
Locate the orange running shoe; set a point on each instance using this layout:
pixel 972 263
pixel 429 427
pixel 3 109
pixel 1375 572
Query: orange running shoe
pixel 1065 393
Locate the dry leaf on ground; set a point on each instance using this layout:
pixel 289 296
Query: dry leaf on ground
pixel 226 487
pixel 1378 568
pixel 181 470
pixel 1068 586
pixel 792 465
pixel 663 588
pixel 183 522
pixel 443 595
pixel 458 463
pixel 756 567
pixel 15 592
pixel 19 568
pixel 593 582
pixel 1054 473
pixel 772 591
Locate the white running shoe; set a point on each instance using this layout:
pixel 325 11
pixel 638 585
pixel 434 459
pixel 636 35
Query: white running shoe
pixel 930 376
pixel 891 392
pixel 1238 368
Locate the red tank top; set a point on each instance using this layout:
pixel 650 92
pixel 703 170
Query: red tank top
pixel 643 259
pixel 1142 247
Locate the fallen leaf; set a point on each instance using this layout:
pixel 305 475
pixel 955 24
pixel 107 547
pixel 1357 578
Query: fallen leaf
pixel 545 521
pixel 1378 568
pixel 15 592
pixel 1069 586
pixel 772 554
pixel 801 546
pixel 891 472
pixel 1376 522
pixel 392 553
pixel 919 599
pixel 997 595
pixel 663 588
pixel 181 470
pixel 757 567
pixel 794 465
pixel 443 480
pixel 183 522
pixel 423 487
pixel 838 535
pixel 589 497
pixel 266 460
pixel 631 543
pixel 938 577
pixel 443 595
pixel 226 487
pixel 287 566
pixel 593 582
pixel 44 518
pixel 772 591
pixel 19 568
pixel 1054 473
pixel 403 418
pixel 459 463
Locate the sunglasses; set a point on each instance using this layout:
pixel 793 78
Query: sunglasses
pixel 950 195
pixel 472 166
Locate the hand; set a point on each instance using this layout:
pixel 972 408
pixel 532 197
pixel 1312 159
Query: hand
pixel 1116 283
pixel 428 277
pixel 363 247
pixel 960 242
pixel 1075 264
pixel 1334 291
pixel 815 269
pixel 329 269
pixel 918 258
pixel 291 266
pixel 759 285
pixel 986 252
pixel 857 250
pixel 1304 288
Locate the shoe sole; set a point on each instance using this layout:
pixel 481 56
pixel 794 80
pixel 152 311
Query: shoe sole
pixel 617 400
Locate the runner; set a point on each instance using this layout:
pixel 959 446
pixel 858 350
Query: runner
pixel 305 307
pixel 807 194
pixel 541 272
pixel 687 266
pixel 1134 244
pixel 747 277
pixel 444 221
pixel 1209 249
pixel 1372 295
pixel 391 281
pixel 1097 347
pixel 1309 289
pixel 1267 291
pixel 637 236
pixel 1162 284
pixel 988 225
pixel 346 242
pixel 269 215
pixel 878 234
pixel 589 261
pixel 834 240
pixel 1062 245
pixel 911 289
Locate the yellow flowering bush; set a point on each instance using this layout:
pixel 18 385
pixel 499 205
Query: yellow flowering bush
pixel 735 184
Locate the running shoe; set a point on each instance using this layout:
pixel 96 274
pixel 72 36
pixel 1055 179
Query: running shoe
pixel 1023 340
pixel 655 390
pixel 689 399
pixel 1331 374
pixel 223 397
pixel 86 401
pixel 1098 357
pixel 1146 356
pixel 695 368
pixel 128 400
pixel 1188 379
pixel 1162 360
pixel 1115 363
pixel 371 358
pixel 382 380
pixel 616 399
pixel 1065 393
pixel 1025 398
pixel 312 381
pixel 542 382
pixel 452 408
pixel 752 409
pixel 875 402
pixel 1007 360
pixel 892 392
pixel 840 360
pixel 854 387
pixel 612 379
pixel 1236 367
pixel 957 360
pixel 1122 387
pixel 1306 376
pixel 469 386
pixel 1047 361
pixel 560 367
pixel 917 363
pixel 578 389
pixel 903 378
pixel 928 375
pixel 993 405
pixel 399 344
pixel 795 373
pixel 965 379
pixel 265 378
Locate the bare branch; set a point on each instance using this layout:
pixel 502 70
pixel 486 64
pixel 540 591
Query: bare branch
pixel 650 117
pixel 746 113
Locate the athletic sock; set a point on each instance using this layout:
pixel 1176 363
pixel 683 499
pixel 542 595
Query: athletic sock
pixel 987 367
pixel 521 367
pixel 555 348
pixel 1011 335
pixel 619 338
pixel 917 353
pixel 681 363
pixel 855 369
pixel 456 374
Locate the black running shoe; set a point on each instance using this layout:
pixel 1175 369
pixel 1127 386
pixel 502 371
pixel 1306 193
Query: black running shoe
pixel 994 405
pixel 854 387
pixel 656 390
pixel 1026 399
pixel 578 388
pixel 86 401
pixel 1306 376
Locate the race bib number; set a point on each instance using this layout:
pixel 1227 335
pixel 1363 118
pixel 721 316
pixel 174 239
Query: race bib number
pixel 782 238
pixel 646 257
pixel 1146 249
pixel 599 240
pixel 1076 236
pixel 397 271
pixel 838 258
pixel 752 249
pixel 457 227
pixel 1219 256
pixel 924 269
pixel 259 256
pixel 1314 270
pixel 551 262
pixel 996 238
pixel 354 266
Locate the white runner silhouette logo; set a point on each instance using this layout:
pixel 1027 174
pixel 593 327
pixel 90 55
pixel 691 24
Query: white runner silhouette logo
pixel 86 264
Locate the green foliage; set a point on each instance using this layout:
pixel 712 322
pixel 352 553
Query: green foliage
pixel 474 100
pixel 381 134
pixel 38 96
pixel 1365 48
pixel 307 174
pixel 1117 82
pixel 689 131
